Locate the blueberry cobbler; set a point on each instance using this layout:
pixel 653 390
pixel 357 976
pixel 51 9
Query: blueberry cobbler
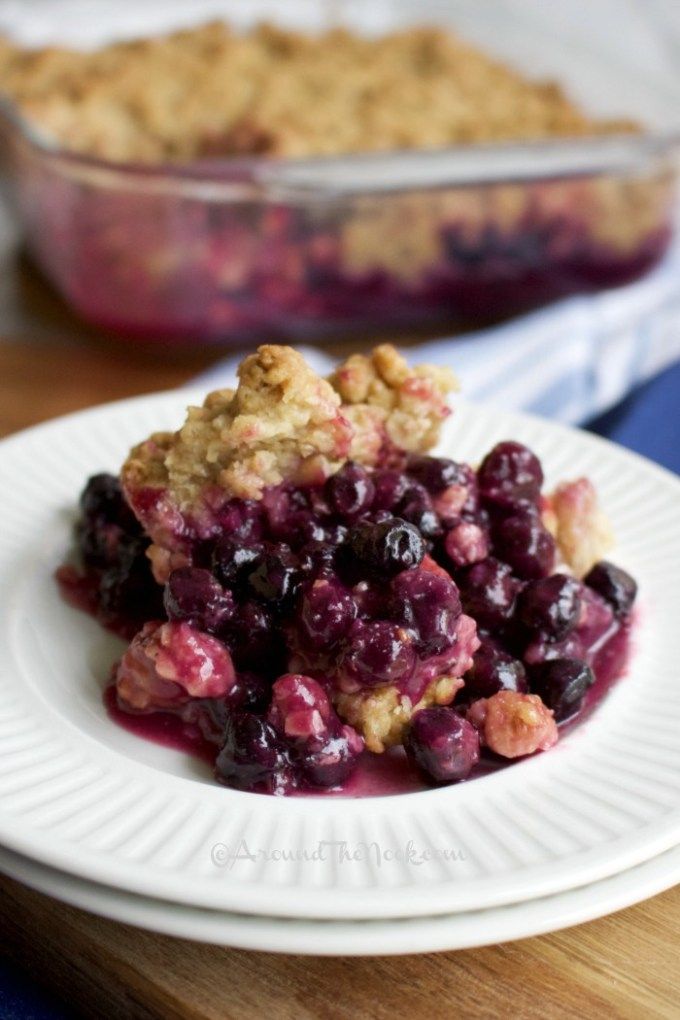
pixel 246 257
pixel 305 588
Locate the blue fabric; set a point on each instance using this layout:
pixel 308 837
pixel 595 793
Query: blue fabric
pixel 21 999
pixel 648 421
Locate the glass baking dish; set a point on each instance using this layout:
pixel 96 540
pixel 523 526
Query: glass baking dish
pixel 246 249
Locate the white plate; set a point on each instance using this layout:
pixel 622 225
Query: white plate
pixel 463 930
pixel 80 794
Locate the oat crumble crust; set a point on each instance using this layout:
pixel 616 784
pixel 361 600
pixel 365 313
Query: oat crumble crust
pixel 212 91
pixel 382 715
pixel 282 423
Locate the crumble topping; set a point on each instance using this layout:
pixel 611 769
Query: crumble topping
pixel 282 423
pixel 388 401
pixel 381 716
pixel 582 531
pixel 210 91
pixel 514 724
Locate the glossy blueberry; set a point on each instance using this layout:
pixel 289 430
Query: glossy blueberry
pixel 390 489
pixel 423 517
pixel 317 558
pixel 102 500
pixel 232 561
pixel 442 744
pixel 276 578
pixel 350 491
pixel 385 549
pixel 127 587
pixel 525 545
pixel 614 585
pixel 254 640
pixel 329 759
pixel 436 473
pixel 488 592
pixel 250 693
pixel 193 595
pixel 327 612
pixel 378 652
pixel 253 756
pixel 242 520
pixel 493 670
pixel 510 476
pixel 429 604
pixel 541 649
pixel 300 526
pixel 561 684
pixel 550 606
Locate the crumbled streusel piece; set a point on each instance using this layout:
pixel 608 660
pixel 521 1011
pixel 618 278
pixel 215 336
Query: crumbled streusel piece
pixel 582 531
pixel 382 715
pixel 389 402
pixel 513 724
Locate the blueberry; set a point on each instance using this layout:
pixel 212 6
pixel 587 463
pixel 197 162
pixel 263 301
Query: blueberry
pixel 327 612
pixel 429 604
pixel 522 542
pixel 541 649
pixel 614 585
pixel 561 684
pixel 193 595
pixel 550 606
pixel 378 653
pixel 421 514
pixel 390 488
pixel 253 756
pixel 253 639
pixel 387 548
pixel 300 526
pixel 329 759
pixel 350 491
pixel 510 476
pixel 127 588
pixel 488 592
pixel 493 670
pixel 276 578
pixel 317 558
pixel 250 693
pixel 232 561
pixel 102 500
pixel 442 744
pixel 436 473
pixel 242 521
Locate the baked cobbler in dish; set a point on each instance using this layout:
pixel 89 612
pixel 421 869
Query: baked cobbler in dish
pixel 305 586
pixel 215 91
pixel 172 190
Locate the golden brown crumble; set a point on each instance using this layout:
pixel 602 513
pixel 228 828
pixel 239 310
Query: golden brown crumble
pixel 212 91
pixel 283 422
pixel 384 398
pixel 582 531
pixel 382 715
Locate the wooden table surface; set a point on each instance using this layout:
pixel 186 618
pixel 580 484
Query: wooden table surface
pixel 623 966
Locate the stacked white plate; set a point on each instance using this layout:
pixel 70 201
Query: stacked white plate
pixel 94 815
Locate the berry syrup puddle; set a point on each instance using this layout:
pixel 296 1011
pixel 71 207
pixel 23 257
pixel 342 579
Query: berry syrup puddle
pixel 379 775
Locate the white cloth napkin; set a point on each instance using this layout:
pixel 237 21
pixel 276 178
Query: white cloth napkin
pixel 569 361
